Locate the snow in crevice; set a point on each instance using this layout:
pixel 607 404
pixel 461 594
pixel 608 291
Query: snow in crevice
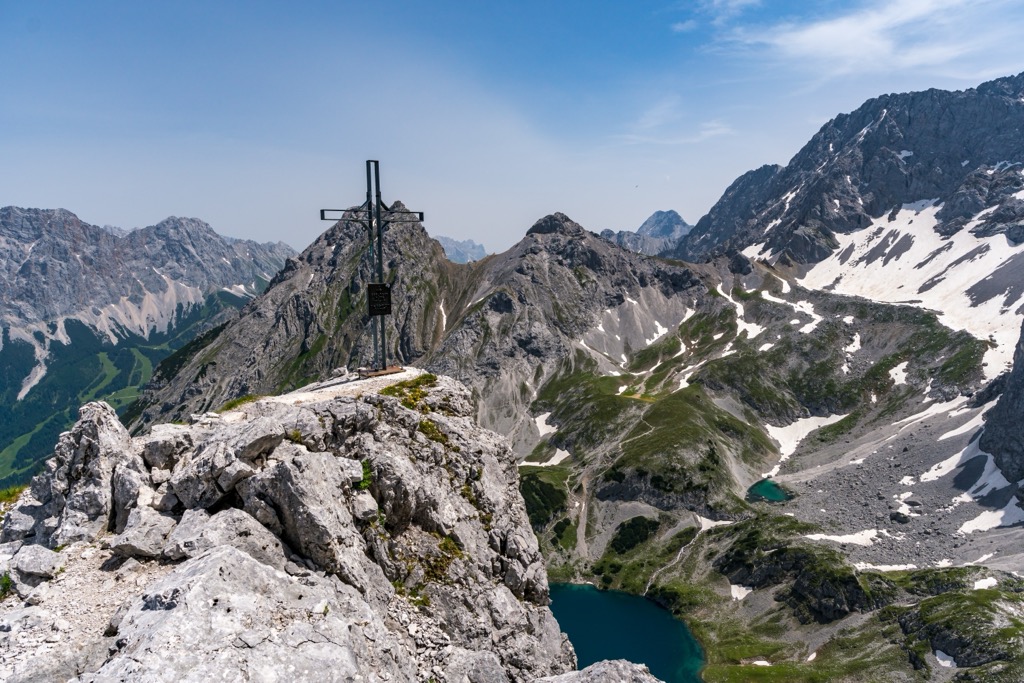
pixel 866 537
pixel 444 319
pixel 804 307
pixel 752 329
pixel 944 659
pixel 739 592
pixel 659 332
pixel 989 582
pixel 854 346
pixel 542 425
pixel 899 373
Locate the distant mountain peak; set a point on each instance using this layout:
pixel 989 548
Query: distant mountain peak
pixel 461 251
pixel 660 232
pixel 556 223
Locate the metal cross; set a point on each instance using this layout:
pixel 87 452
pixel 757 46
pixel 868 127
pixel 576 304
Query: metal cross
pixel 378 294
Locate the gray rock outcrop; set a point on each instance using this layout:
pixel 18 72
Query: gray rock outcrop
pixel 1003 436
pixel 397 548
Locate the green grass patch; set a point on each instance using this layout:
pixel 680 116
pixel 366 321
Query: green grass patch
pixel 236 402
pixel 412 392
pixel 10 494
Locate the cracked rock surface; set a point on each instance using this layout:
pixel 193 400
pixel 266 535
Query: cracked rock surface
pixel 328 537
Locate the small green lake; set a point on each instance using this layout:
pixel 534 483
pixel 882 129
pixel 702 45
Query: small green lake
pixel 613 625
pixel 768 490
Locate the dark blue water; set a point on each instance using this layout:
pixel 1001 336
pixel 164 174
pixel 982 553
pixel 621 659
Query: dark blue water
pixel 766 489
pixel 613 625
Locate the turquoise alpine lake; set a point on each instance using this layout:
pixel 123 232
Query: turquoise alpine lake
pixel 768 490
pixel 614 625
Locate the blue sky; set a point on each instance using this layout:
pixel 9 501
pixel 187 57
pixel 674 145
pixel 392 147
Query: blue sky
pixel 484 115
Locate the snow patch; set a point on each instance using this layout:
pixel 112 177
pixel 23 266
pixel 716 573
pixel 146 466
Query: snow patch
pixel 862 566
pixel 542 425
pixel 659 332
pixel 790 436
pixel 982 584
pixel 899 373
pixel 739 592
pixel 706 523
pixel 865 538
pixel 993 519
pixel 906 261
pixel 854 346
pixel 944 659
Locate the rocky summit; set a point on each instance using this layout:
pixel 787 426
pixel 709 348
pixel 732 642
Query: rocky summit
pixel 334 534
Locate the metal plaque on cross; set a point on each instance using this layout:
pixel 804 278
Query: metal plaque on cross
pixel 379 298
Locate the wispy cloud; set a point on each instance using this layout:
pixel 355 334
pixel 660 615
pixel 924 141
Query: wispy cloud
pixel 883 35
pixel 684 26
pixel 722 11
pixel 705 131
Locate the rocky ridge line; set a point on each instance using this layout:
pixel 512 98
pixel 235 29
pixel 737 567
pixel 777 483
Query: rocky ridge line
pixel 299 537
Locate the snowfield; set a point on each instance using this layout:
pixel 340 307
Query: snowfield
pixel 973 282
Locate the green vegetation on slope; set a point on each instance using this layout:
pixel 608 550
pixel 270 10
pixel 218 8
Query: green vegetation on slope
pixel 89 368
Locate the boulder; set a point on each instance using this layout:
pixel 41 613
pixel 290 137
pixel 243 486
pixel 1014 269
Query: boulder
pixel 37 562
pixel 198 531
pixel 72 500
pixel 144 534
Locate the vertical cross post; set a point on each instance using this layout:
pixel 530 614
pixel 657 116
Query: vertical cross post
pixel 379 292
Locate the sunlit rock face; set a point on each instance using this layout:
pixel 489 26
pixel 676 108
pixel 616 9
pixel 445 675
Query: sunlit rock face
pixel 310 537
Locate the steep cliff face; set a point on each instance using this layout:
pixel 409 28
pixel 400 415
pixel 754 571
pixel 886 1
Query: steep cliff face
pixel 313 536
pixel 961 149
pixel 1004 436
pixel 560 291
pixel 55 267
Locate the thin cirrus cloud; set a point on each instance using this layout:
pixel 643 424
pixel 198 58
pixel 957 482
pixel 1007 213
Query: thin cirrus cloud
pixel 704 131
pixel 886 35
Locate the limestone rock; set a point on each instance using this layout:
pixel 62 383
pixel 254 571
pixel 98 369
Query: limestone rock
pixel 37 561
pixel 617 670
pixel 225 616
pixel 72 501
pixel 298 564
pixel 198 531
pixel 144 534
pixel 1003 437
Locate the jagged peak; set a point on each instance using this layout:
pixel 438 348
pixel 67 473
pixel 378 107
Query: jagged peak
pixel 556 223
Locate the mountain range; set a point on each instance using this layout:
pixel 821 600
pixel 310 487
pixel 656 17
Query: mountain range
pixel 461 251
pixel 797 428
pixel 87 312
